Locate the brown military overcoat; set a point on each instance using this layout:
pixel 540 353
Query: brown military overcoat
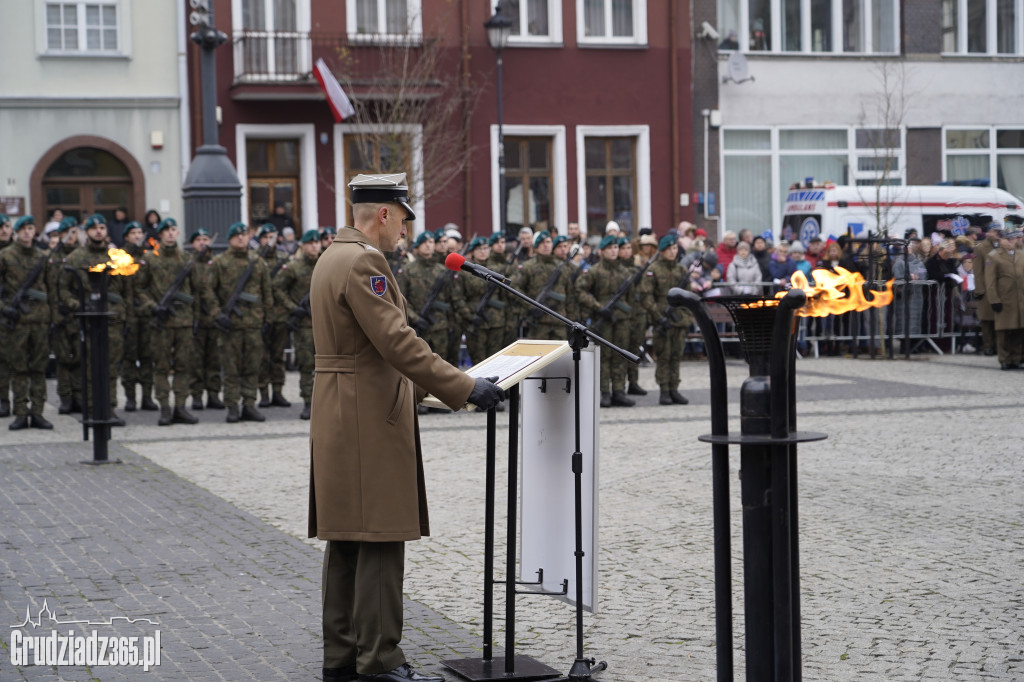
pixel 981 252
pixel 1004 283
pixel 366 476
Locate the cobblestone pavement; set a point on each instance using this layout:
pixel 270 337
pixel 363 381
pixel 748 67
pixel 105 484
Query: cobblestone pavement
pixel 910 517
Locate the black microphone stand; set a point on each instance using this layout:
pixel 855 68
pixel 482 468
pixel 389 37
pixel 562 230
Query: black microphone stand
pixel 580 335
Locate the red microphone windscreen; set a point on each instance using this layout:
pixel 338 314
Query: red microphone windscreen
pixel 454 261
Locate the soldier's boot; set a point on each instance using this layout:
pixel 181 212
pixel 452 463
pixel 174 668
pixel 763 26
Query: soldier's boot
pixel 678 398
pixel 197 402
pixel 37 421
pixel 76 404
pixel 183 416
pixel 279 400
pixel 665 398
pixel 606 399
pixel 129 399
pixel 5 408
pixel 213 402
pixel 147 400
pixel 265 396
pixel 65 406
pixel 115 420
pixel 20 422
pixel 422 409
pixel 620 399
pixel 166 419
pixel 636 389
pixel 251 414
pixel 306 410
pixel 232 413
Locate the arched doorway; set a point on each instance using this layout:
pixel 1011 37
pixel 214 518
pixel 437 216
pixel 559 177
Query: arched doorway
pixel 85 175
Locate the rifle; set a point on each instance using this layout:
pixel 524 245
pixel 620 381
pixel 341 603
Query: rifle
pixel 606 312
pixel 17 306
pixel 299 314
pixel 231 307
pixel 424 313
pixel 165 308
pixel 668 315
pixel 479 317
pixel 535 313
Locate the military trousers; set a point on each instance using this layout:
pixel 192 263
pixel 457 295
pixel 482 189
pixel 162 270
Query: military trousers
pixel 483 343
pixel 272 364
pixel 239 350
pixel 206 369
pixel 67 349
pixel 362 605
pixel 305 359
pixel 5 362
pixel 28 367
pixel 668 347
pixel 613 365
pixel 988 335
pixel 1010 344
pixel 137 363
pixel 172 356
pixel 637 329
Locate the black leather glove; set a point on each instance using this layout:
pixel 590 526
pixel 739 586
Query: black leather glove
pixel 997 307
pixel 161 312
pixel 265 329
pixel 486 393
pixel 606 313
pixel 12 314
pixel 223 322
pixel 979 296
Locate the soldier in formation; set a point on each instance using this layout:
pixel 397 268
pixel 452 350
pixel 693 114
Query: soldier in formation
pixel 505 263
pixel 547 279
pixel 481 309
pixel 206 370
pixel 292 288
pixel 275 333
pixel 637 318
pixel 66 327
pixel 669 323
pixel 6 239
pixel 137 365
pixel 427 286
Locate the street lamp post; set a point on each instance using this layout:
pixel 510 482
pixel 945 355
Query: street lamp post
pixel 498 29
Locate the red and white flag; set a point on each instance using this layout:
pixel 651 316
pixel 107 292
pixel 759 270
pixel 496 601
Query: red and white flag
pixel 340 105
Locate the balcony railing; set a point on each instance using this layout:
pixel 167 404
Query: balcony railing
pixel 272 56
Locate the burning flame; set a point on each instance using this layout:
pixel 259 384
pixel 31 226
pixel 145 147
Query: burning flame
pixel 837 292
pixel 121 263
pixel 763 303
pixel 154 246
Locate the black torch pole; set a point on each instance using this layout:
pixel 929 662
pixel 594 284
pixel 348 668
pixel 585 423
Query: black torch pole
pixel 98 318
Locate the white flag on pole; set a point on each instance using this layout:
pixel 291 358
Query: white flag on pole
pixel 339 102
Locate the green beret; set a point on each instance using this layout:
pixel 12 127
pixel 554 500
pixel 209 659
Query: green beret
pixel 476 243
pixel 309 236
pixel 423 236
pixel 4 219
pixel 165 223
pixel 201 232
pixel 237 228
pixel 66 225
pixel 665 242
pixel 539 237
pixel 610 240
pixel 266 228
pixel 559 239
pixel 495 237
pixel 133 225
pixel 623 241
pixel 94 220
pixel 324 231
pixel 23 221
pixel 439 233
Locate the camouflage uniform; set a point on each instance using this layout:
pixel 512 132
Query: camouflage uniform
pixel 499 263
pixel 531 279
pixel 291 286
pixel 593 289
pixel 28 362
pixel 137 362
pixel 670 335
pixel 5 361
pixel 483 337
pixel 638 322
pixel 65 337
pixel 119 294
pixel 172 340
pixel 206 367
pixel 415 280
pixel 241 347
pixel 275 337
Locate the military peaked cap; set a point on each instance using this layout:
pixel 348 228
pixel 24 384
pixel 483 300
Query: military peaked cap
pixel 382 189
pixel 23 221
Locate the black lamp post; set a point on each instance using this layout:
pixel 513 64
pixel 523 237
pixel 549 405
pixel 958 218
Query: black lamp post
pixel 499 27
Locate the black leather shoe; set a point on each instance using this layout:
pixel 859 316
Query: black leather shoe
pixel 678 398
pixel 65 406
pixel 183 416
pixel 197 402
pixel 148 405
pixel 264 397
pixel 346 674
pixel 5 408
pixel 619 399
pixel 403 673
pixel 115 420
pixel 232 414
pixel 37 421
pixel 251 414
pixel 213 402
pixel 20 422
pixel 129 403
pixel 636 389
pixel 165 416
pixel 665 398
pixel 306 410
pixel 279 401
pixel 1010 365
pixel 606 399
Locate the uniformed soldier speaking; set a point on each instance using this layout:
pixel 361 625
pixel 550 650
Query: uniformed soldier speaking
pixel 367 494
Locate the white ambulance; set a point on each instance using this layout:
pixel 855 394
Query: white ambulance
pixel 826 210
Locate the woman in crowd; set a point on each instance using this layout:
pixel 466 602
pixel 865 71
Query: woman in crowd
pixel 743 271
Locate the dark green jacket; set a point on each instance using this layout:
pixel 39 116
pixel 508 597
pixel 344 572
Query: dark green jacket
pixel 16 262
pixel 119 287
pixel 162 267
pixel 257 295
pixel 292 284
pixel 596 286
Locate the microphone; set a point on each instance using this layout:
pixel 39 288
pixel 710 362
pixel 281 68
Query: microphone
pixel 456 261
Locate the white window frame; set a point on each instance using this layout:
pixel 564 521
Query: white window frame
pixel 414 130
pixel 805 30
pixel 302 30
pixel 414 14
pixel 642 135
pixel 305 133
pixel 992 151
pixel 554 36
pixel 124 42
pixel 559 177
pixel 991 29
pixel 638 39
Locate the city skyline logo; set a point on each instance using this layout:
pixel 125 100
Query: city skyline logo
pixel 51 617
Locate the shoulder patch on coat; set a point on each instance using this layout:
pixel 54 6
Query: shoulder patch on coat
pixel 370 248
pixel 378 284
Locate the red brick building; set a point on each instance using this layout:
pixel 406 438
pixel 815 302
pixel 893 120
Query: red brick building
pixel 596 109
